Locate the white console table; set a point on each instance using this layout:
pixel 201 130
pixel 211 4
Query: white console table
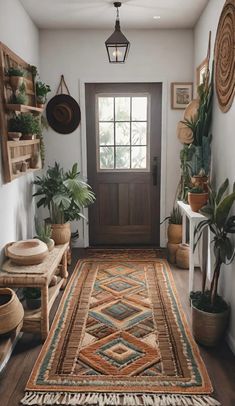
pixel 194 219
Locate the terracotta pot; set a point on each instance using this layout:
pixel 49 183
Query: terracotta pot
pixel 200 181
pixel 174 233
pixel 61 233
pixel 15 82
pixel 182 256
pixel 171 252
pixel 208 328
pixel 197 200
pixel 11 310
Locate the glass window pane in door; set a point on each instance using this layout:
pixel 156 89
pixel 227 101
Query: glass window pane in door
pixel 122 108
pixel 122 133
pixel 122 157
pixel 106 133
pixel 139 108
pixel 138 157
pixel 106 157
pixel 106 108
pixel 139 133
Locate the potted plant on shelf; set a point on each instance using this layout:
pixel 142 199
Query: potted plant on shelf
pixel 26 123
pixel 209 311
pixel 16 77
pixel 43 232
pixel 197 198
pixel 199 123
pixel 14 129
pixel 19 97
pixel 64 194
pixel 41 93
pixel 32 297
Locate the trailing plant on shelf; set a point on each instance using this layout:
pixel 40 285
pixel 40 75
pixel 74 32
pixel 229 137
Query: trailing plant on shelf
pixel 26 123
pixel 20 97
pixel 41 92
pixel 222 227
pixel 200 125
pixel 15 72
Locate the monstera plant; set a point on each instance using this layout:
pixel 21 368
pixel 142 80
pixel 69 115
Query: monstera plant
pixel 210 311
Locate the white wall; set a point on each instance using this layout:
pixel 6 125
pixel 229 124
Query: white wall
pixel 16 210
pixel 155 56
pixel 223 144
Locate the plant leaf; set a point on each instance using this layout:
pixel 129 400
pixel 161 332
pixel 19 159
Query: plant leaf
pixel 223 209
pixel 221 191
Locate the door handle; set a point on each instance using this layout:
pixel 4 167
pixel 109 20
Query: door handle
pixel 155 170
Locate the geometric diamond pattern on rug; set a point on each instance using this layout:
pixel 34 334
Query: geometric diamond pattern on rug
pixel 98 329
pixel 142 329
pixel 119 353
pixel 120 285
pixel 120 313
pixel 120 310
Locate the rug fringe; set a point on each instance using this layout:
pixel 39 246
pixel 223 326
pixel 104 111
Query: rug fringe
pixel 115 399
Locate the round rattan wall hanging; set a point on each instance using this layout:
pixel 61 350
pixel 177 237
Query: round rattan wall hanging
pixel 225 56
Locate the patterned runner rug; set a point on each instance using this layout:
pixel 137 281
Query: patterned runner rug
pixel 120 338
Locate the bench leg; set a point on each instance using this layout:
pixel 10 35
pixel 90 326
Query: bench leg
pixel 44 312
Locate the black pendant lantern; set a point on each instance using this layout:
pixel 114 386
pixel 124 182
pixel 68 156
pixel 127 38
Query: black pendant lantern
pixel 117 44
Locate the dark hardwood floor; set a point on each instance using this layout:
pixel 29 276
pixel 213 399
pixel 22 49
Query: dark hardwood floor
pixel 220 361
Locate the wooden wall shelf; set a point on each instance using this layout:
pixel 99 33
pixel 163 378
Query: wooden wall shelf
pixel 18 156
pixel 22 108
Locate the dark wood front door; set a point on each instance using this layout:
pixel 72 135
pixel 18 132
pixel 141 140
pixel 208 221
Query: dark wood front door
pixel 124 161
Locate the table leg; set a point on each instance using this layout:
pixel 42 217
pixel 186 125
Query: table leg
pixel 183 228
pixel 44 312
pixel 64 273
pixel 191 255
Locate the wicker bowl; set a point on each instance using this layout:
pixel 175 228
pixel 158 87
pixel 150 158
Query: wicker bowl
pixel 11 310
pixel 27 252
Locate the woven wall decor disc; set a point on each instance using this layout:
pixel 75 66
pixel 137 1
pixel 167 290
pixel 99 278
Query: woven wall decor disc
pixel 225 56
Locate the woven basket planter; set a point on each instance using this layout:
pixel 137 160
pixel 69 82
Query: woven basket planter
pixel 61 233
pixel 174 233
pixel 171 252
pixel 182 256
pixel 208 328
pixel 11 310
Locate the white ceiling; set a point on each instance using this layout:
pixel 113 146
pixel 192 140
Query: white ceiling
pixel 134 14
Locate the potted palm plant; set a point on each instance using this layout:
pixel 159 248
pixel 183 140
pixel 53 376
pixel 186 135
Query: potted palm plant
pixel 209 311
pixel 64 194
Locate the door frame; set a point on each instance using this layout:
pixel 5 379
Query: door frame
pixel 83 143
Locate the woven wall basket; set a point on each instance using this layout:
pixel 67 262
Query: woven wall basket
pixel 225 57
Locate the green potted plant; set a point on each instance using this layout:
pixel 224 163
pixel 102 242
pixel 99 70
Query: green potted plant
pixel 198 160
pixel 14 128
pixel 197 198
pixel 43 232
pixel 32 297
pixel 16 77
pixel 209 311
pixel 30 125
pixel 20 96
pixel 64 194
pixel 174 233
pixel 41 92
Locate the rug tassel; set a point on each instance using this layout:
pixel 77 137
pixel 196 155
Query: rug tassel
pixel 115 399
